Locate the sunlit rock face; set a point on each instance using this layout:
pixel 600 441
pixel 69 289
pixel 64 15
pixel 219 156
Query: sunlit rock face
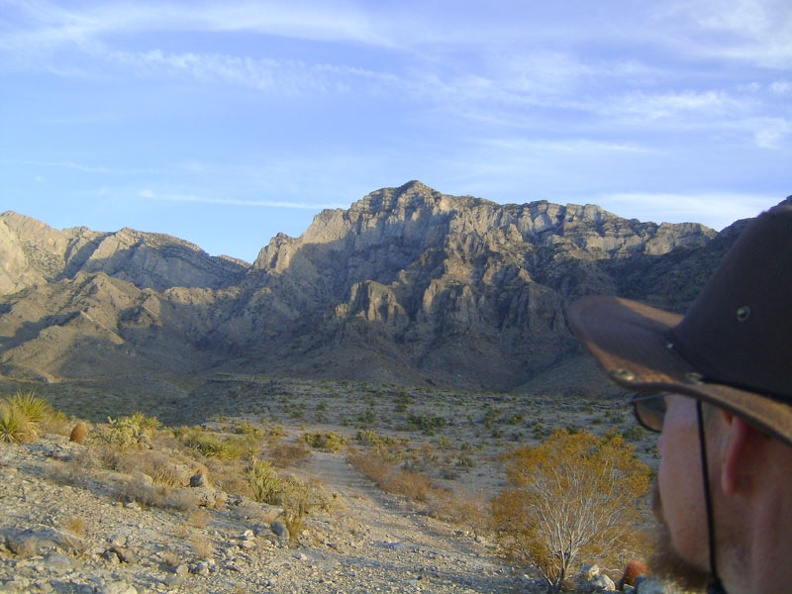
pixel 407 285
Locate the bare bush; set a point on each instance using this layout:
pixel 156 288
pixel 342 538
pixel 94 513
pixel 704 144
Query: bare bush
pixel 574 496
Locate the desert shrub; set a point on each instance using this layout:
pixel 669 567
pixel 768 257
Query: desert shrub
pixel 489 417
pixel 321 408
pixel 202 547
pixel 248 428
pixel 35 408
pixel 276 432
pixel 20 416
pixel 402 402
pixel 213 445
pixel 299 499
pixel 439 502
pixel 284 454
pixel 367 418
pixel 126 432
pixel 266 484
pixel 385 447
pixel 73 538
pixel 574 496
pixel 57 422
pixel 330 441
pixel 426 424
pixel 465 461
pixel 75 524
pixel 104 456
pixel 138 488
pixel 371 466
pixel 156 464
pixel 14 427
pixel 421 459
pixel 413 485
pixel 391 479
pixel 445 505
pixel 634 432
pixel 199 518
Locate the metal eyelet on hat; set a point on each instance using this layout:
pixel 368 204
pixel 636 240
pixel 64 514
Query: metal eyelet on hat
pixel 624 375
pixel 743 313
pixel 694 377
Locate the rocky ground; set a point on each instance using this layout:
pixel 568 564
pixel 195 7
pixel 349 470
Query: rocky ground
pixel 64 538
pixel 71 524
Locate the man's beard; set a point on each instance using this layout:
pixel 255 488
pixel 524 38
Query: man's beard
pixel 668 564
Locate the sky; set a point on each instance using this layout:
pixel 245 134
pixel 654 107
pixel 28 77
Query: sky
pixel 225 123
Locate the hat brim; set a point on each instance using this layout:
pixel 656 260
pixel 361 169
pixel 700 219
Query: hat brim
pixel 630 342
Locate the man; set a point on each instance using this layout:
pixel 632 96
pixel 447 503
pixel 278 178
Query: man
pixel 717 384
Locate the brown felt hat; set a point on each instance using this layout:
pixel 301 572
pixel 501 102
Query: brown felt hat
pixel 733 348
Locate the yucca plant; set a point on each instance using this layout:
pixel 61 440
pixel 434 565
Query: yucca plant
pixel 13 427
pixel 20 415
pixel 265 482
pixel 32 407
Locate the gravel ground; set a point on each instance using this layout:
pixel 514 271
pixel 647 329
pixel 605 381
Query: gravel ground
pixel 65 535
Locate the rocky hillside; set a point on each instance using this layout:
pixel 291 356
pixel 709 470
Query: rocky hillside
pixel 408 285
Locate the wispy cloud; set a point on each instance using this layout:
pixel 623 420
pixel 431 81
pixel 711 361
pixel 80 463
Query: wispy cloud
pixel 83 167
pixel 715 209
pixel 581 146
pixel 667 105
pixel 49 25
pixel 218 201
pixel 758 32
pixel 290 76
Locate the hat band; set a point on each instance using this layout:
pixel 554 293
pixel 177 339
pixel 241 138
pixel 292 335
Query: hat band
pixel 708 377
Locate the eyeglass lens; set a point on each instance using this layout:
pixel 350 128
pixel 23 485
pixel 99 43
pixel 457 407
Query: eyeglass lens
pixel 650 411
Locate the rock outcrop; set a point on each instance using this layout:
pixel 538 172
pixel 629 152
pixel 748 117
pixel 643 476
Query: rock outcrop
pixel 408 285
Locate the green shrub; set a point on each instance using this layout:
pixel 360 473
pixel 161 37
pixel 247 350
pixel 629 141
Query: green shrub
pixel 14 427
pixel 265 482
pixel 215 446
pixel 299 499
pixel 20 416
pixel 331 442
pixel 125 432
pixel 34 408
pixel 249 429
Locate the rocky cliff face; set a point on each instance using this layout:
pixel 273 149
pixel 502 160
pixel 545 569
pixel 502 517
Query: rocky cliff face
pixel 407 285
pixel 34 253
pixel 410 282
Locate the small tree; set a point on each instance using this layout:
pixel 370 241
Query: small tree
pixel 574 495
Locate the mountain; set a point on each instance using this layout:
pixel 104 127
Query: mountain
pixel 408 286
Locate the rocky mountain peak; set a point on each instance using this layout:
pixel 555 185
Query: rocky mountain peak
pixel 406 285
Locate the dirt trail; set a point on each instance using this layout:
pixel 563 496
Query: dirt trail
pixel 415 549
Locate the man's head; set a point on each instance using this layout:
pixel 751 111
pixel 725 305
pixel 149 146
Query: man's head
pixel 732 352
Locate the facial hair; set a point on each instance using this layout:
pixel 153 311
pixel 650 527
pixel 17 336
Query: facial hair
pixel 666 562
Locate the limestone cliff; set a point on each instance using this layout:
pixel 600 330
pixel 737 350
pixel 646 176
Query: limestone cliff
pixel 407 285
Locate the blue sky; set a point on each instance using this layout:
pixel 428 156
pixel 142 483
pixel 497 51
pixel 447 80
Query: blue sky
pixel 225 123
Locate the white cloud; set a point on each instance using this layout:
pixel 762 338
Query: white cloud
pixel 770 133
pixel 582 146
pixel 49 24
pixel 781 87
pixel 82 167
pixel 262 73
pixel 668 105
pixel 753 31
pixel 149 194
pixel 715 209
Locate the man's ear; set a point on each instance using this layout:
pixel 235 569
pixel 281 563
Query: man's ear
pixel 741 452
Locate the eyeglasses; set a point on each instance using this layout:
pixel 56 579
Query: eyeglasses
pixel 649 410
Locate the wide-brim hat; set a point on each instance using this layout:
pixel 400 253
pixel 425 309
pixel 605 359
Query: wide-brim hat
pixel 733 347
